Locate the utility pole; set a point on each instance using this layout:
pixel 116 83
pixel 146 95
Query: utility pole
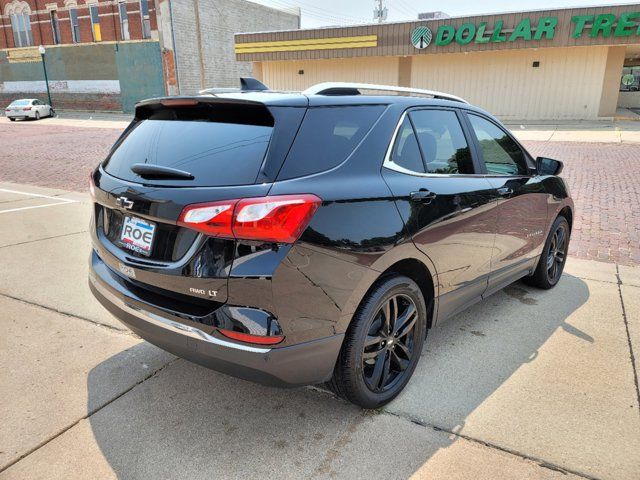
pixel 380 11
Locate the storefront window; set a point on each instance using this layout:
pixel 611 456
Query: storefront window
pixel 630 80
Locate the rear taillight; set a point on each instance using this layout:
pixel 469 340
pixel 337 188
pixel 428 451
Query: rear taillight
pixel 26 108
pixel 278 218
pixel 92 186
pixel 248 338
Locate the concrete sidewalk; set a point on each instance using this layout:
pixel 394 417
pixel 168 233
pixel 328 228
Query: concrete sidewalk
pixel 528 384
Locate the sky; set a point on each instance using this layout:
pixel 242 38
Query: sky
pixel 349 12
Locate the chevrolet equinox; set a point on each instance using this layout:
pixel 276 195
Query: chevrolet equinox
pixel 315 237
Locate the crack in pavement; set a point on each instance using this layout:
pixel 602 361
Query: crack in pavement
pixel 42 239
pixel 626 326
pixel 71 315
pixel 84 417
pixel 539 461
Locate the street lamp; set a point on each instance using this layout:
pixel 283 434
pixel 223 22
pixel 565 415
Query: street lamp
pixel 42 51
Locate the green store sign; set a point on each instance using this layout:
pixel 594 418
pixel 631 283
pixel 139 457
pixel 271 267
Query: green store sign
pixel 604 25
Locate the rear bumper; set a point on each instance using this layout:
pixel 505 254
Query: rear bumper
pixel 296 365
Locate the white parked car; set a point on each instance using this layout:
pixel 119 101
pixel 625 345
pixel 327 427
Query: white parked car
pixel 28 108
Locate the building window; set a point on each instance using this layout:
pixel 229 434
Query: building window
pixel 630 80
pixel 75 29
pixel 21 26
pixel 144 15
pixel 95 23
pixel 124 20
pixel 55 26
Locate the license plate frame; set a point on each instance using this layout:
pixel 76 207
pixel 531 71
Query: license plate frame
pixel 134 235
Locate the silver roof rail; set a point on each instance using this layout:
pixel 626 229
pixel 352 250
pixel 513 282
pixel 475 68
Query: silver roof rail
pixel 337 87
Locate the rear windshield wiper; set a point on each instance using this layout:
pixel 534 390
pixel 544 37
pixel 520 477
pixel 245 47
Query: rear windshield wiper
pixel 146 170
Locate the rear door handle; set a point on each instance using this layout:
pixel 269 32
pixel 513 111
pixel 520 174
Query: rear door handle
pixel 423 195
pixel 505 191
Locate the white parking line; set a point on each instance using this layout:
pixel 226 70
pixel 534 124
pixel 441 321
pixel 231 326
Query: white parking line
pixel 59 201
pixel 17 192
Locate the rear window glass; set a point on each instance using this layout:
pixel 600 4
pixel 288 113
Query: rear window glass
pixel 327 136
pixel 20 103
pixel 216 150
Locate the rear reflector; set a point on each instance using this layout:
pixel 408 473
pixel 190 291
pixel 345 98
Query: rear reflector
pixel 278 218
pixel 248 338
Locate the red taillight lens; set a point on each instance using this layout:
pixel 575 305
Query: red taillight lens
pixel 26 108
pixel 214 219
pixel 278 218
pixel 92 186
pixel 248 338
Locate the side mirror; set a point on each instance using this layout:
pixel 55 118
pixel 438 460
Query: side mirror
pixel 548 166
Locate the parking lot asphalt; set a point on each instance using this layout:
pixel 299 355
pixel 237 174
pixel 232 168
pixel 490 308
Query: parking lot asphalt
pixel 527 384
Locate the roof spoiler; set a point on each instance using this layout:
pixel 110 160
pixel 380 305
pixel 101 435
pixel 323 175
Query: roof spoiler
pixel 247 84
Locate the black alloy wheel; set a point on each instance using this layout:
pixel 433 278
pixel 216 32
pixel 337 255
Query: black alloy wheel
pixel 383 343
pixel 557 253
pixel 390 342
pixel 554 256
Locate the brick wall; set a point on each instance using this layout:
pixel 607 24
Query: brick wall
pixel 109 17
pixel 205 55
pixel 71 101
pixel 101 76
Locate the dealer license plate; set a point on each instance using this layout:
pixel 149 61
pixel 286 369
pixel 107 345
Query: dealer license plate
pixel 137 235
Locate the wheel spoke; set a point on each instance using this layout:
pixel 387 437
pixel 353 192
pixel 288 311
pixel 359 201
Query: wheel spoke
pixel 386 313
pixel 408 326
pixel 400 362
pixel 385 370
pixel 407 316
pixel 374 380
pixel 372 354
pixel 400 346
pixel 393 307
pixel 561 239
pixel 372 340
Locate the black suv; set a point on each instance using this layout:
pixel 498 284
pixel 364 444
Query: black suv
pixel 303 238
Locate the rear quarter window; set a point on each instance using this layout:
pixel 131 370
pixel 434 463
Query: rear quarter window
pixel 327 136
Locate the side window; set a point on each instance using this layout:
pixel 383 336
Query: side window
pixel 444 147
pixel 501 154
pixel 327 136
pixel 406 153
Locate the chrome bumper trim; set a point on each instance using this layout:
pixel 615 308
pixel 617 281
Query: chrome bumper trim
pixel 170 324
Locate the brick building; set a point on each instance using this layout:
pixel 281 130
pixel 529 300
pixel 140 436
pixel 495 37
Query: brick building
pixel 107 55
pixel 26 23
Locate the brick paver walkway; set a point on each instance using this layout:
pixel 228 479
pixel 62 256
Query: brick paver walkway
pixel 604 179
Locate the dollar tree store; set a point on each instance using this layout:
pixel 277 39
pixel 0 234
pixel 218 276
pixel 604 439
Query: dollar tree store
pixel 578 63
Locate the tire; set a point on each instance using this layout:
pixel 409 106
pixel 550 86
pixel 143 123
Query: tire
pixel 11 119
pixel 37 117
pixel 52 113
pixel 551 263
pixel 361 380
